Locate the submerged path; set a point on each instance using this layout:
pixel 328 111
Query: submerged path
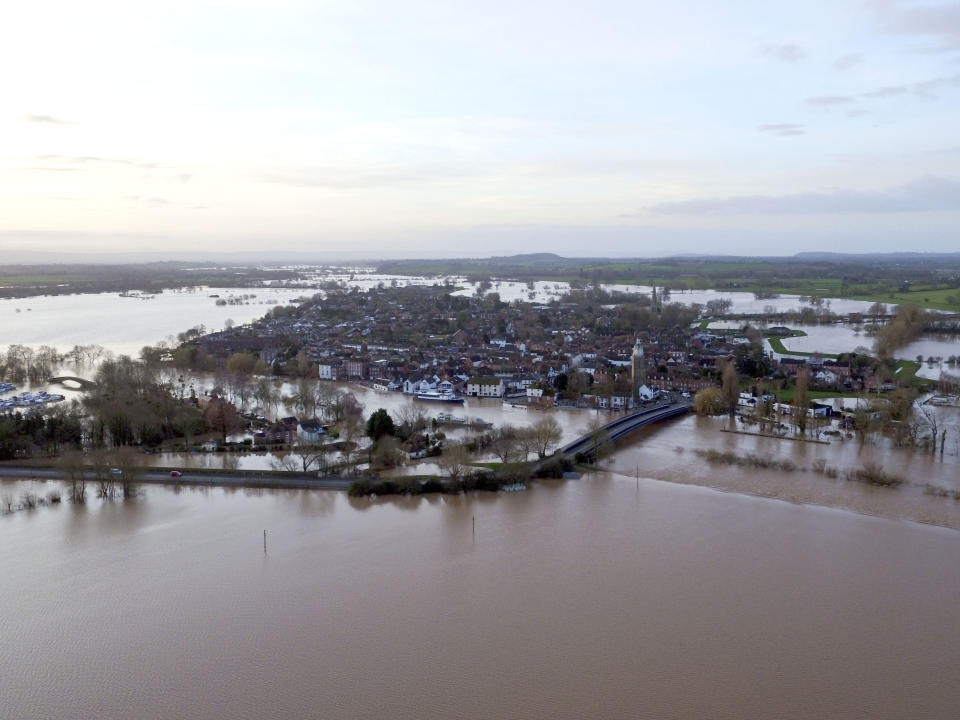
pixel 195 476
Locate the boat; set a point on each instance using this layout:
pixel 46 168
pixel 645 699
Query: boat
pixel 447 396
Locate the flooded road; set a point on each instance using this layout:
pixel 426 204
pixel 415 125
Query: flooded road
pixel 596 598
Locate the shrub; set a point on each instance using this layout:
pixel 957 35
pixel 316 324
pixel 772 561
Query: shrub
pixel 555 468
pixel 716 457
pixel 874 474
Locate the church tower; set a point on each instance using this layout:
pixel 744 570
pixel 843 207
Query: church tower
pixel 638 374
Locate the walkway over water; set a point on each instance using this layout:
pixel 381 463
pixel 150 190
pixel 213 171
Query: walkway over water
pixel 621 427
pixel 60 379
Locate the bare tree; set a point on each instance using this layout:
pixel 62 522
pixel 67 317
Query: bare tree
pixel 130 463
pixel 312 457
pixel 454 462
pixel 104 477
pixel 731 391
pixel 545 433
pixel 304 398
pixel 600 443
pixel 932 421
pixel 71 466
pixel 266 395
pixel 801 399
pixel 387 452
pixel 505 443
pixel 351 429
pixel 222 417
pixel 287 463
pixel 411 418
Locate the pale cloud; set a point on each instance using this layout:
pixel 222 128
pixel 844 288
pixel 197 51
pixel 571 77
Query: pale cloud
pixel 784 52
pixel 831 100
pixel 95 160
pixel 356 176
pixel 845 62
pixel 926 89
pixel 929 194
pixel 46 120
pixel 784 129
pixel 938 24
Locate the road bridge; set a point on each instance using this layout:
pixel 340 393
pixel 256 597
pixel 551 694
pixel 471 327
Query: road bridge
pixel 588 444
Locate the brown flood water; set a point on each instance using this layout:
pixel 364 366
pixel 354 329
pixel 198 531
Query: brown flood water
pixel 600 598
pixel 667 451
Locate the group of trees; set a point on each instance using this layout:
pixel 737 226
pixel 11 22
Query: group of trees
pixel 511 444
pixel 26 435
pixel 906 326
pixel 725 399
pixel 409 424
pixel 130 406
pixel 22 363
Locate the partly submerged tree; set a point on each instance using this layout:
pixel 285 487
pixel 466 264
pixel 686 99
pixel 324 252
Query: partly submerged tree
pixel 731 391
pixel 708 401
pixel 379 424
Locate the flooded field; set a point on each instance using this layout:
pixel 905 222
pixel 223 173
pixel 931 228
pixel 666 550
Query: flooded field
pixel 592 598
pixel 842 338
pixel 668 452
pixel 126 324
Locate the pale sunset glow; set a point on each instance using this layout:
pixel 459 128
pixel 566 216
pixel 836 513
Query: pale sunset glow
pixel 462 128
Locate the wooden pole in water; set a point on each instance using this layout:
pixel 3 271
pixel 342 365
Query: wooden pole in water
pixel 638 477
pixel 474 524
pixel 264 542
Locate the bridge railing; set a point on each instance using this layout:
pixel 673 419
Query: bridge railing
pixel 625 425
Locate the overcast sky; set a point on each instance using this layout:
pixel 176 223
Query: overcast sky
pixel 413 128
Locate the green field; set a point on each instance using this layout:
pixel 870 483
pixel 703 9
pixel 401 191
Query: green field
pixel 905 372
pixel 777 344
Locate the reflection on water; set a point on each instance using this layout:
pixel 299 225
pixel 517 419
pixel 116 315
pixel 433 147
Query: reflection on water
pixel 596 598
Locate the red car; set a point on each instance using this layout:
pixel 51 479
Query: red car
pixel 175 473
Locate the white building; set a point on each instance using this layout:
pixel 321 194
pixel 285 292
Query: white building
pixel 329 371
pixel 485 387
pixel 647 394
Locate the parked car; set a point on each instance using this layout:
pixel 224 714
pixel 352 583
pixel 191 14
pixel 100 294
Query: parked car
pixel 175 473
pixel 116 471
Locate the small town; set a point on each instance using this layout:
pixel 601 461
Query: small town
pixel 589 349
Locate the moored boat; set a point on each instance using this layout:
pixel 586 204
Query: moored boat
pixel 446 396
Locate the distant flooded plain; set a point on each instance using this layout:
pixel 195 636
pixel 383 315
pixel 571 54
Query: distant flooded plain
pixel 126 324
